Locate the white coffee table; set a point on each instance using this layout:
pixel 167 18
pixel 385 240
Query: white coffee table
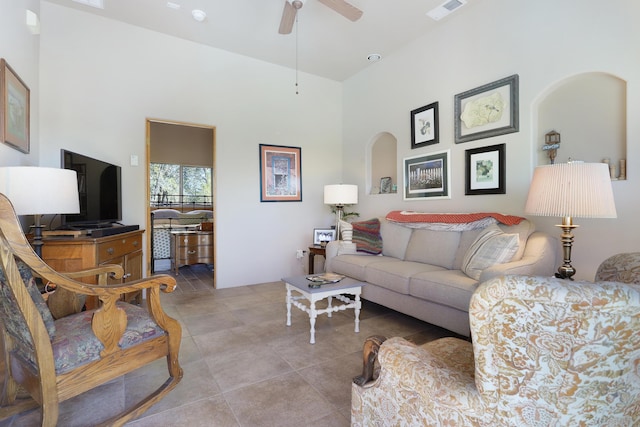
pixel 300 284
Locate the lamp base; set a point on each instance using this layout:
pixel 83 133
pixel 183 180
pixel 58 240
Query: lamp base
pixel 566 270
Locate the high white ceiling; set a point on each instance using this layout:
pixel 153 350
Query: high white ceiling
pixel 328 44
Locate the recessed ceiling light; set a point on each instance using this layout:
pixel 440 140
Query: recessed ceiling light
pixel 374 57
pixel 198 15
pixel 98 4
pixel 172 5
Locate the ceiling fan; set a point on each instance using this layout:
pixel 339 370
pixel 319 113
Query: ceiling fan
pixel 291 7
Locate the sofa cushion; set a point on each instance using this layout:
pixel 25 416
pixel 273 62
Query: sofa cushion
pixel 433 247
pixel 395 239
pixel 492 246
pixel 354 265
pixel 452 288
pixel 396 275
pixel 366 236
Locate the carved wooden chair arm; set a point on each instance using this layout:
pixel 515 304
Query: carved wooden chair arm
pixel 369 356
pixel 104 272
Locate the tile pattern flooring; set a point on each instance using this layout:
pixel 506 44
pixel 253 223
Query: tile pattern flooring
pixel 242 365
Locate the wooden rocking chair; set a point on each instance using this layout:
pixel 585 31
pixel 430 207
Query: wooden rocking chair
pixel 56 360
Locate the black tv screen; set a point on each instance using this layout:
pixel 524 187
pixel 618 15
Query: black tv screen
pixel 99 189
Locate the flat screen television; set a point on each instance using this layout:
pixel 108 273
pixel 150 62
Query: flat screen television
pixel 99 189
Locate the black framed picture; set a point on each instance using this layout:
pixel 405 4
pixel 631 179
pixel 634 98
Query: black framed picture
pixel 485 170
pixel 486 111
pixel 427 176
pixel 424 126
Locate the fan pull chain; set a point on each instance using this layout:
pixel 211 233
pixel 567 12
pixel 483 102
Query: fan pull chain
pixel 296 54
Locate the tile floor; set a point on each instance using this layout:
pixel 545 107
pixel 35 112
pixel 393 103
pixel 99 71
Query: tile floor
pixel 242 365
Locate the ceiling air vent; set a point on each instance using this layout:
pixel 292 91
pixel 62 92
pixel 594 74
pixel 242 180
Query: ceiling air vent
pixel 98 4
pixel 445 8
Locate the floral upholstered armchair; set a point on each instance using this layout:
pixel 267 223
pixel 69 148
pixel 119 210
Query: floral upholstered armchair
pixel 624 267
pixel 545 352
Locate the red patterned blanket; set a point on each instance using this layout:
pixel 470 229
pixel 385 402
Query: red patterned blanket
pixel 450 218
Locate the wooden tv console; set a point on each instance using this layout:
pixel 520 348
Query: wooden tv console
pixel 79 253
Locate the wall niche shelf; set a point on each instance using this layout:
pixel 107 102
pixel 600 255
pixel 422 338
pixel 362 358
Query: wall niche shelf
pixel 589 111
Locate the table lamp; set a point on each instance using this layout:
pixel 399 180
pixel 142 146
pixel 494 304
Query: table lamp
pixel 40 191
pixel 340 195
pixel 568 190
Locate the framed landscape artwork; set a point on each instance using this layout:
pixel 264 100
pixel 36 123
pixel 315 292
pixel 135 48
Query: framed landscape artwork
pixel 424 126
pixel 487 111
pixel 280 173
pixel 14 109
pixel 427 176
pixel 485 170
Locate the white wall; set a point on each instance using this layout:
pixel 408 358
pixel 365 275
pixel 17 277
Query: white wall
pixel 20 49
pixel 101 79
pixel 544 41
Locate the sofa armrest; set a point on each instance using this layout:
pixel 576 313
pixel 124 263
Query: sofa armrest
pixel 335 248
pixel 539 259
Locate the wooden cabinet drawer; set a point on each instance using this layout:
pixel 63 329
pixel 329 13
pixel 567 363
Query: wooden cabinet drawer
pixel 118 247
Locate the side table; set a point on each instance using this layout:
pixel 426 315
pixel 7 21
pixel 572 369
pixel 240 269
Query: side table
pixel 313 251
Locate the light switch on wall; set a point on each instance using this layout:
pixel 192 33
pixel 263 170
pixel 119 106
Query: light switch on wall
pixel 134 160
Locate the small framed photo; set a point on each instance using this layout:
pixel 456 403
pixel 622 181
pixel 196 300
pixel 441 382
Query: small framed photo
pixel 487 111
pixel 424 126
pixel 280 173
pixel 485 170
pixel 323 235
pixel 385 185
pixel 14 109
pixel 427 176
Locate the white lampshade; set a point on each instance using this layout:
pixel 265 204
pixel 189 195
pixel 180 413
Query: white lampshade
pixel 340 194
pixel 581 190
pixel 40 191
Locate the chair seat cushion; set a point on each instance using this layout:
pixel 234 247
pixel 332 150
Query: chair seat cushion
pixel 75 344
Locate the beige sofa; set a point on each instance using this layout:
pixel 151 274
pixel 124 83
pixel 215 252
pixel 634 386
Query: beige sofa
pixel 426 272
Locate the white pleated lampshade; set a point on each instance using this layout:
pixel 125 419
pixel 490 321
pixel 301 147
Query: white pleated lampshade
pixel 340 194
pixel 581 190
pixel 40 191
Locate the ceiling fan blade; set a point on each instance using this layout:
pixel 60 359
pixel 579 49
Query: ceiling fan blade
pixel 288 18
pixel 345 9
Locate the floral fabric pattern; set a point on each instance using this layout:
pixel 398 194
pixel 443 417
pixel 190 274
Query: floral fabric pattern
pixel 623 268
pixel 545 352
pixel 10 313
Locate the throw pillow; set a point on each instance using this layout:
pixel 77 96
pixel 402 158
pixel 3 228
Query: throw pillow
pixel 366 236
pixel 492 246
pixel 17 324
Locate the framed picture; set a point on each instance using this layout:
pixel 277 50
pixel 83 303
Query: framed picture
pixel 424 126
pixel 280 174
pixel 14 109
pixel 485 170
pixel 385 185
pixel 427 176
pixel 323 235
pixel 487 111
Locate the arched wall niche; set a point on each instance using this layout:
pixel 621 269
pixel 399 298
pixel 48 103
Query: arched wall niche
pixel 589 110
pixel 383 162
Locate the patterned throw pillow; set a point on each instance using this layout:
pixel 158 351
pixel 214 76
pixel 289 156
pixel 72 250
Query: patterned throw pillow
pixel 492 246
pixel 366 236
pixel 16 323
